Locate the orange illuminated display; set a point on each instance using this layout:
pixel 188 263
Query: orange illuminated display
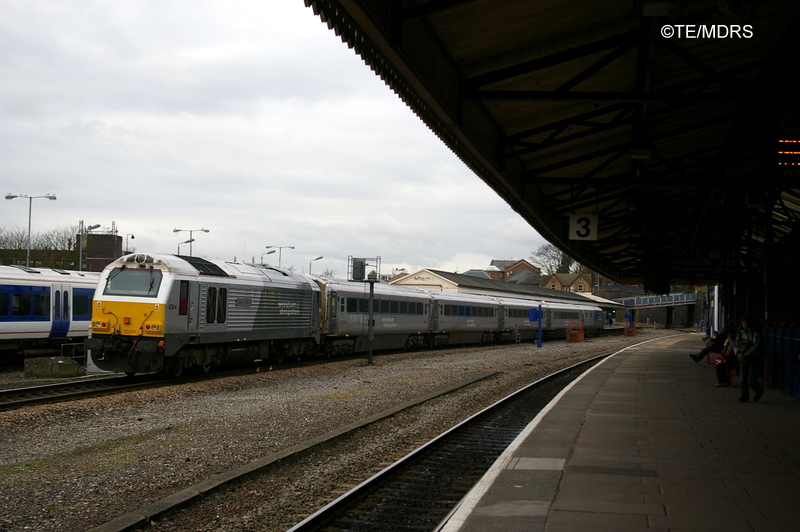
pixel 788 152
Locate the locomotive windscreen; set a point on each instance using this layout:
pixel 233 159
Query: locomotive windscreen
pixel 133 282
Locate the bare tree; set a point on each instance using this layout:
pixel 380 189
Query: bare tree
pixel 16 238
pixel 62 238
pixel 549 259
pixel 328 273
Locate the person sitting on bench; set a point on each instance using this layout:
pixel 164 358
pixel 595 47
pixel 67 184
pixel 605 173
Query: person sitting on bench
pixel 715 345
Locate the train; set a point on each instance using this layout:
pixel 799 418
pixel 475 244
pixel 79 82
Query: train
pixel 44 310
pixel 159 313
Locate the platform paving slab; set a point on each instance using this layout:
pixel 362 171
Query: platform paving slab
pixel 645 441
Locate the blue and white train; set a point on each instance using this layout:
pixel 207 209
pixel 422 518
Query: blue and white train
pixel 42 309
pixel 165 313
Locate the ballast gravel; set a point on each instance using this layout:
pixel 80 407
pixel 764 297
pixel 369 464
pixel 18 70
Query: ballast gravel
pixel 77 465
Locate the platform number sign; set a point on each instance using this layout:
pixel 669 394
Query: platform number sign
pixel 583 226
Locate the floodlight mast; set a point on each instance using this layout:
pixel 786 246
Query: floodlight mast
pixel 9 196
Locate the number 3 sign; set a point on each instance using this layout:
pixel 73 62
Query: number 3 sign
pixel 583 226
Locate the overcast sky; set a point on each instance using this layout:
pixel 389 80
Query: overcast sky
pixel 248 118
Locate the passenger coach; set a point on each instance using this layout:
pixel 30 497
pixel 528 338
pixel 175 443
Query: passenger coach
pixel 41 309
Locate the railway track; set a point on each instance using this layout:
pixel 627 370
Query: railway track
pixel 14 398
pixel 456 469
pixel 420 491
pixel 52 393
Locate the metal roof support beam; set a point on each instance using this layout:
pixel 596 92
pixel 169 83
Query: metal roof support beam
pixel 527 67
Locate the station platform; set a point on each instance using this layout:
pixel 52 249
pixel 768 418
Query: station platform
pixel 645 441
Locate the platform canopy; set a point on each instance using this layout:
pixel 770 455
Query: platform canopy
pixel 642 138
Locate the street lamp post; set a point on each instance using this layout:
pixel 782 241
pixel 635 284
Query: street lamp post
pixel 51 197
pixel 280 250
pixel 187 242
pixel 266 253
pixel 126 241
pixel 309 264
pixel 191 231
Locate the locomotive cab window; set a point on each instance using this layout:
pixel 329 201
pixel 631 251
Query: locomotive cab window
pixel 133 282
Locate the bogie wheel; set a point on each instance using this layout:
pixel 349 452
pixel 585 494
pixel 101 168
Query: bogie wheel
pixel 177 368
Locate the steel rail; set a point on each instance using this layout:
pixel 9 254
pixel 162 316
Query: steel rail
pixel 426 493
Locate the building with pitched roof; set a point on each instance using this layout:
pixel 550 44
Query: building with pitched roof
pixel 570 282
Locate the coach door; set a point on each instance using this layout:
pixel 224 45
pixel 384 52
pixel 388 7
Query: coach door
pixel 187 305
pixel 62 308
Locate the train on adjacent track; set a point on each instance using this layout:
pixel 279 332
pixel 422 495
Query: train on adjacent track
pixel 166 313
pixel 43 310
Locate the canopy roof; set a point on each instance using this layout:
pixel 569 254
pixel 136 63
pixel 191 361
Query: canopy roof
pixel 583 109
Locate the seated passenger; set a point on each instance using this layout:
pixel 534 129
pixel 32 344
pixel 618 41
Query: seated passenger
pixel 725 363
pixel 714 345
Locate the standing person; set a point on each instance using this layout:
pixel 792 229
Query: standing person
pixel 747 348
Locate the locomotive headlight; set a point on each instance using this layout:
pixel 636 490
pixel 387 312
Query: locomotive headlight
pixel 153 328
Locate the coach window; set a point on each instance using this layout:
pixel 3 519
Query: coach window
pixel 385 305
pixel 352 304
pixel 211 305
pixel 41 304
pixel 80 305
pixel 21 305
pixel 65 306
pixel 3 305
pixel 403 307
